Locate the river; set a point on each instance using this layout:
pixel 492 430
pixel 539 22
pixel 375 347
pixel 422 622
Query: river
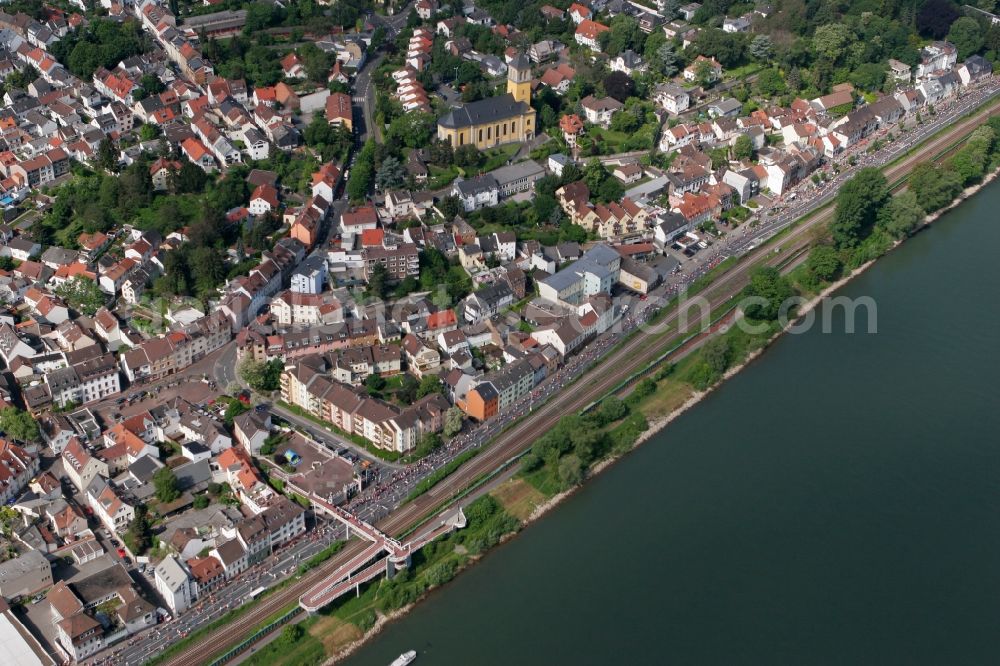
pixel 838 502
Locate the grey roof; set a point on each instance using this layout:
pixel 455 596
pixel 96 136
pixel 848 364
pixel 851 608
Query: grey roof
pixel 513 172
pixel 484 111
pixel 144 468
pixel 671 221
pixel 520 61
pixel 727 105
pixel 487 391
pixel 192 473
pixel 473 186
pixel 493 293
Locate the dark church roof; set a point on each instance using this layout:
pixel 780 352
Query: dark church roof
pixel 484 112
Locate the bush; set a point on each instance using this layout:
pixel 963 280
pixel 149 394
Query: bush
pixel 644 389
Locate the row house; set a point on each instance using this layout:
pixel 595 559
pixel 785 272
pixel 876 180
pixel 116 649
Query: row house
pixel 290 308
pixel 110 506
pixel 383 424
pixel 84 382
pixel 401 260
pixel 17 468
pixel 697 208
pixel 41 170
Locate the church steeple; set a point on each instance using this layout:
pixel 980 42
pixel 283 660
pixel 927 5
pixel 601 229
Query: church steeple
pixel 519 78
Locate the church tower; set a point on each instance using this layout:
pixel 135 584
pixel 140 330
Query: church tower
pixel 519 79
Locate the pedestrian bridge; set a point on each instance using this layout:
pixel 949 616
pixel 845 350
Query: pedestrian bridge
pixel 383 554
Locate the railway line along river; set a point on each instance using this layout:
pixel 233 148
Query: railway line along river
pixel 838 502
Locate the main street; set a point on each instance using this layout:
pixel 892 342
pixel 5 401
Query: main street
pixel 617 364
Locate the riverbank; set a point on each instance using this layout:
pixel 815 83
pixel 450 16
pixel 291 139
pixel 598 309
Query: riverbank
pixel 791 518
pixel 659 423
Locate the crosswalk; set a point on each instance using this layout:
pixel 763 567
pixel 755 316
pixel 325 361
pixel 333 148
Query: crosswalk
pixel 358 99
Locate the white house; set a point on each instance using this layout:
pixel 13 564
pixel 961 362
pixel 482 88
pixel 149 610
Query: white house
pixel 672 98
pixel 174 584
pixel 478 192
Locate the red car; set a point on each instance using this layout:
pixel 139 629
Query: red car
pixel 121 553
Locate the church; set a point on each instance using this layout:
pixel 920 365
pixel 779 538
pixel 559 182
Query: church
pixel 495 121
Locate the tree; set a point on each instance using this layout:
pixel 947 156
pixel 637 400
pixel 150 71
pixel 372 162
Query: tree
pixel 858 204
pixel 390 175
pixel 467 156
pixel 191 179
pixel 378 282
pixel 717 353
pixel 971 161
pixel 450 207
pixel 261 376
pixel 595 173
pixel 316 62
pixel 933 186
pixel 83 295
pixel 149 132
pixel 138 536
pixel 869 76
pixel 743 148
pixel 823 263
pixel 374 384
pixel 770 83
pixel 430 384
pixel 234 409
pixel 151 85
pixel 619 85
pixel 625 34
pixel 570 470
pixel 727 48
pixel 766 283
pixel 441 152
pixel 704 74
pixel 761 47
pixel 902 215
pixel 610 190
pixel 666 60
pixel 165 483
pixel 453 420
pixel 611 409
pixel 18 424
pixel 201 502
pixel 107 155
pixel 936 17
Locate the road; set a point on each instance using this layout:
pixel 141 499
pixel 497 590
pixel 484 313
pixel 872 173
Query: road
pixel 618 364
pixel 363 93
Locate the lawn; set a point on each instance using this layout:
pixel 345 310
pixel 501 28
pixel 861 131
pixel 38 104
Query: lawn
pixel 611 140
pixel 499 156
pixel 439 177
pixel 306 651
pixel 519 498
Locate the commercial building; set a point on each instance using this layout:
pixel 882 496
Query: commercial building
pixel 25 575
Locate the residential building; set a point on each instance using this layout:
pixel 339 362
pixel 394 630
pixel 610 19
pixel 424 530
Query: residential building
pixel 600 111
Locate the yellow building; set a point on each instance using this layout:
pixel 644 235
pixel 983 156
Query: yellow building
pixel 497 120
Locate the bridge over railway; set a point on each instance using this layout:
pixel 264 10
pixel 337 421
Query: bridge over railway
pixel 383 555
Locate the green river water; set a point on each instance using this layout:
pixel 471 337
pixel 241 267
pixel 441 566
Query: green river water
pixel 838 502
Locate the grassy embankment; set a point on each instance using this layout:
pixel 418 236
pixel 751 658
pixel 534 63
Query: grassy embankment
pixel 315 638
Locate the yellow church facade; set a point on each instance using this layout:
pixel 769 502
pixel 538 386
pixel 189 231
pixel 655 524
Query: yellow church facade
pixel 494 121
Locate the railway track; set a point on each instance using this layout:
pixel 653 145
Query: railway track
pixel 632 355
